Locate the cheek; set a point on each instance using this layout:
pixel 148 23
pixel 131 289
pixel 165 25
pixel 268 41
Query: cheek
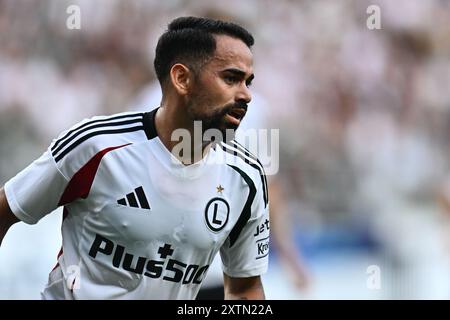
pixel 213 94
pixel 221 94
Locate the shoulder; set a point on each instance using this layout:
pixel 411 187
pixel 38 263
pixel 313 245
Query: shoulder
pixel 97 135
pixel 247 166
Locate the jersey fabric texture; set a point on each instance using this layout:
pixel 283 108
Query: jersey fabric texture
pixel 137 223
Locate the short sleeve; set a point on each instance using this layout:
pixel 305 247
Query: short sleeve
pixel 35 191
pixel 248 255
pixel 65 172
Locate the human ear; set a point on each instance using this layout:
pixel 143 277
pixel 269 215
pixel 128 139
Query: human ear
pixel 180 76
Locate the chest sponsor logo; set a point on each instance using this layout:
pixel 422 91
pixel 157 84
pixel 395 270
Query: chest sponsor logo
pixel 217 212
pixel 169 269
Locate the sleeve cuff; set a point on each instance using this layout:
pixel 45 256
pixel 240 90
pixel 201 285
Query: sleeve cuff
pixel 15 207
pixel 245 273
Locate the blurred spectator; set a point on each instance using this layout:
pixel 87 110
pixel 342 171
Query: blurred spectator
pixel 364 117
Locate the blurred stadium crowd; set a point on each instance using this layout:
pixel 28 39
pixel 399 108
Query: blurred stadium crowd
pixel 364 118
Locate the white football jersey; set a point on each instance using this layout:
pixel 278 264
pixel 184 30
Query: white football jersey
pixel 137 223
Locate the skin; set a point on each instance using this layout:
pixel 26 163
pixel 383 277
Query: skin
pixel 221 84
pixel 223 81
pixel 7 218
pixel 243 288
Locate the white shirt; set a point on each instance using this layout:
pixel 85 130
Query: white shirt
pixel 138 224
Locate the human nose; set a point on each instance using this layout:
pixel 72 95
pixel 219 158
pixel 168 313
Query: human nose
pixel 244 94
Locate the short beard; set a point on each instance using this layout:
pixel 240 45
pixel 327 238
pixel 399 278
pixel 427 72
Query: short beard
pixel 215 119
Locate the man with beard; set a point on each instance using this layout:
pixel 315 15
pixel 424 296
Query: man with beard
pixel 141 221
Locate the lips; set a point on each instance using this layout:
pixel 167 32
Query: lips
pixel 237 113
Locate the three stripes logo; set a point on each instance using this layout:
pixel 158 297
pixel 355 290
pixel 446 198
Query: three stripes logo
pixel 135 199
pixel 123 123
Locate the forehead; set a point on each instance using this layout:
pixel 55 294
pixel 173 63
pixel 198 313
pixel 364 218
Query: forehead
pixel 232 53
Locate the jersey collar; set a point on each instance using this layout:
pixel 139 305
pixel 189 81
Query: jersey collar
pixel 167 159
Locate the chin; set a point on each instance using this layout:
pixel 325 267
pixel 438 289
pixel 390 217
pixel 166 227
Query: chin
pixel 223 125
pixel 229 133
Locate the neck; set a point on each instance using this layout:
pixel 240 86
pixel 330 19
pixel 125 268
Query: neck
pixel 187 145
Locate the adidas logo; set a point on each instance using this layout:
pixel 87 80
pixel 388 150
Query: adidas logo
pixel 131 201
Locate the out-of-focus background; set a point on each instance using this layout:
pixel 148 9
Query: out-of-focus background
pixel 364 120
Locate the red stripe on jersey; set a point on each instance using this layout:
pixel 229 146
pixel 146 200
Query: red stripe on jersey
pixel 80 184
pixel 59 255
pixel 65 214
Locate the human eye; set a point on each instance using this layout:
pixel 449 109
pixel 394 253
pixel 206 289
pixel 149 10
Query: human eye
pixel 230 79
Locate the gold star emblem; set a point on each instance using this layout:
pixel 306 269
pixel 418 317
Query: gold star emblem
pixel 220 189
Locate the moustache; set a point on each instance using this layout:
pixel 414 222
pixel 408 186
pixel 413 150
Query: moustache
pixel 238 105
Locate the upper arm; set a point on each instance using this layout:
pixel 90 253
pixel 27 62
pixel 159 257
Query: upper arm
pixel 35 191
pixel 7 218
pixel 246 249
pixel 245 253
pixel 250 288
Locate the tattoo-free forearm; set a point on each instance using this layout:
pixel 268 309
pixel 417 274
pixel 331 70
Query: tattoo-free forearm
pixel 7 218
pixel 243 288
